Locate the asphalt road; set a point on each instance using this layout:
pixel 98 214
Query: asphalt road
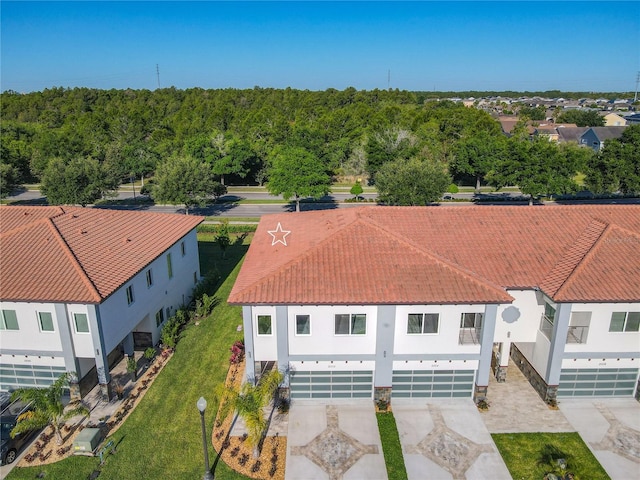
pixel 256 210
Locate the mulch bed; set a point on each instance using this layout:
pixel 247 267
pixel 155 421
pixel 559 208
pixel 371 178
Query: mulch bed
pixel 45 450
pixel 237 453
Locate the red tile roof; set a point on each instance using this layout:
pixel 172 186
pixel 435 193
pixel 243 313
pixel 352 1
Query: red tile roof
pixel 426 255
pixel 79 255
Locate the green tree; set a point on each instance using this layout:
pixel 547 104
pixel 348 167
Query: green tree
pixel 476 155
pixel 222 237
pixel 296 173
pixel 8 179
pixel 356 190
pixel 79 181
pixel 582 118
pixel 47 406
pixel 417 181
pixel 182 180
pixel 537 167
pixel 239 159
pixel 617 166
pixel 249 402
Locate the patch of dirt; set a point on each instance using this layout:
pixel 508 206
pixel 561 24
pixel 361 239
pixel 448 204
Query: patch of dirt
pixel 45 450
pixel 237 453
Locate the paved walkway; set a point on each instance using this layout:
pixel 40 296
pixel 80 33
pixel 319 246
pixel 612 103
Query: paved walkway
pixel 517 407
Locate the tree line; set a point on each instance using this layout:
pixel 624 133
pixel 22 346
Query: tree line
pixel 82 143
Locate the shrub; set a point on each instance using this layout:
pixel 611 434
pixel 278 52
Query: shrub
pixel 453 188
pixel 237 352
pixel 149 353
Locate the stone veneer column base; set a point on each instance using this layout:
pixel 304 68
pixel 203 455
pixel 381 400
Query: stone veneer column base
pixel 74 392
pixel 480 393
pixel 638 391
pixel 105 391
pixel 382 393
pixel 501 374
pixel 284 393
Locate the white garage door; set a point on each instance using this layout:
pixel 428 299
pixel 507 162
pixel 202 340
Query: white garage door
pixel 432 383
pixel 332 384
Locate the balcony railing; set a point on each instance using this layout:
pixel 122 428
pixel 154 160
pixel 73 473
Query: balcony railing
pixel 546 326
pixel 577 334
pixel 469 335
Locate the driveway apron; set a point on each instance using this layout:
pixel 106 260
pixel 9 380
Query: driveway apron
pixel 446 439
pixel 334 441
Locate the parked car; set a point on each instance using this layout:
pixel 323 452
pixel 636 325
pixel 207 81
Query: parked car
pixel 10 447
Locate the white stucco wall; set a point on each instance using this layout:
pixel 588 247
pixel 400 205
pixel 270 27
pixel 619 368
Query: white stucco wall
pixel 323 340
pixel 436 365
pixel 447 338
pixel 599 338
pixel 520 321
pixel 265 346
pixel 343 366
pixel 118 318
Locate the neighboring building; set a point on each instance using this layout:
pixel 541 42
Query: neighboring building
pixel 614 120
pixel 551 131
pixel 398 302
pixel 633 119
pixel 595 137
pixel 81 286
pixel 570 134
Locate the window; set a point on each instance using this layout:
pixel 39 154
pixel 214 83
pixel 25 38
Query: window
pixel 9 320
pixel 195 278
pixel 82 324
pixel 264 324
pixel 471 320
pixel 549 312
pixel 419 323
pixel 183 249
pixel 46 321
pixel 303 325
pixel 129 294
pixel 149 278
pixel 159 317
pixel 578 327
pixel 354 324
pixel 625 322
pixel 169 266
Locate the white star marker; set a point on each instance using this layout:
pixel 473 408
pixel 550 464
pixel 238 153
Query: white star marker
pixel 279 235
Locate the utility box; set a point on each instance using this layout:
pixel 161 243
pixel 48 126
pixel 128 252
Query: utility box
pixel 87 441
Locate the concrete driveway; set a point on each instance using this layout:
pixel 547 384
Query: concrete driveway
pixel 334 441
pixel 446 439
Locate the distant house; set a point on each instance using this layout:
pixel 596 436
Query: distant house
pixel 614 120
pixel 633 119
pixel 595 137
pixel 80 287
pixel 570 134
pixel 551 130
pixel 417 302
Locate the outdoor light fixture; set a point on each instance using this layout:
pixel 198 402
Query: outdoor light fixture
pixel 202 406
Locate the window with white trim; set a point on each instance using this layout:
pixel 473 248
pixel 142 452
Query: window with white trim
pixel 45 320
pixel 303 325
pixel 81 322
pixel 264 325
pixel 351 324
pixel 9 320
pixel 625 322
pixel 130 295
pixel 423 323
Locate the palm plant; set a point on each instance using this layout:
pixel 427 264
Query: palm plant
pixel 249 402
pixel 47 407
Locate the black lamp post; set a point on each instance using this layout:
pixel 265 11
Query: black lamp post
pixel 202 405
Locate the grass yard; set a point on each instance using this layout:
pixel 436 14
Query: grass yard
pixel 162 437
pixel 529 456
pixel 391 446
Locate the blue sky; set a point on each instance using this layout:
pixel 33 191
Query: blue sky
pixel 571 46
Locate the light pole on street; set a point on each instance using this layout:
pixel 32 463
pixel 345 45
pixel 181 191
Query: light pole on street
pixel 202 406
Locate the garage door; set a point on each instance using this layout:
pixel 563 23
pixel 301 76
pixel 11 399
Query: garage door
pixel 597 382
pixel 432 383
pixel 332 384
pixel 18 376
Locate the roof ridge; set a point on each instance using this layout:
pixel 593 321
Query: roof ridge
pixel 439 259
pixel 586 257
pixel 74 261
pixel 35 221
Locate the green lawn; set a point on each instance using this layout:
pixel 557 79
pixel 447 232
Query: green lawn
pixel 528 455
pixel 391 446
pixel 162 437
